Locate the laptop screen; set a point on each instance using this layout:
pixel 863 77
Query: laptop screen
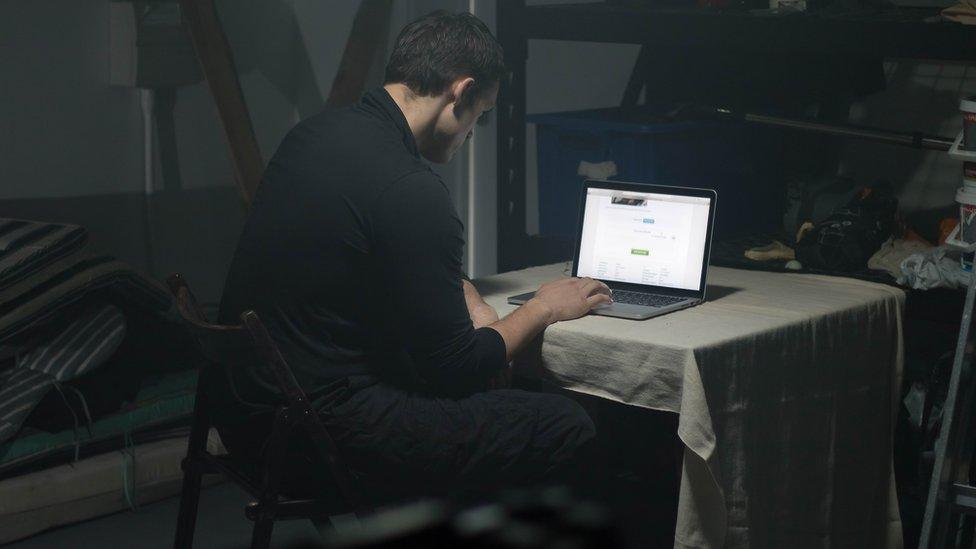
pixel 644 238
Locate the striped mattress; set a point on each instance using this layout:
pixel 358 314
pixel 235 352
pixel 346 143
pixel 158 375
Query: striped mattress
pixel 48 279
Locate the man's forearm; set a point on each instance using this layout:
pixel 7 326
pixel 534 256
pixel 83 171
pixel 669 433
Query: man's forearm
pixel 522 325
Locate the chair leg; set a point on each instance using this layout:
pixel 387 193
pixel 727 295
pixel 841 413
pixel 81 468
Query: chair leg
pixel 189 501
pixel 268 502
pixel 192 473
pixel 261 535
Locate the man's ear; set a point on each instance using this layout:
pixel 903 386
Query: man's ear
pixel 461 91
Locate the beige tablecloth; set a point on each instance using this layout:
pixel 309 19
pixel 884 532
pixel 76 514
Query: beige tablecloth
pixel 786 386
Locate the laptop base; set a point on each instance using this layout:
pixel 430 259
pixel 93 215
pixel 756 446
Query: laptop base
pixel 621 310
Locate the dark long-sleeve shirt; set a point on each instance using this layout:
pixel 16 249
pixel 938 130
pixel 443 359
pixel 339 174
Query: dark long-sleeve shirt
pixel 351 256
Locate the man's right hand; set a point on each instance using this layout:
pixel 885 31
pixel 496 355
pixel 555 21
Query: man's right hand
pixel 569 298
pixel 562 299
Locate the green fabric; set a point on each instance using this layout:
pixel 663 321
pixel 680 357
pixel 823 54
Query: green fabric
pixel 161 398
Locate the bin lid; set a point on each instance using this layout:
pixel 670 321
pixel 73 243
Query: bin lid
pixel 629 120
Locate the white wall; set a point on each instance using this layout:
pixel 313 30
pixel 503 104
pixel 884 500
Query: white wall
pixel 71 144
pixel 63 130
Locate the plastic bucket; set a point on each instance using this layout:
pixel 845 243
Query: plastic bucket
pixel 968 108
pixel 966 197
pixel 969 174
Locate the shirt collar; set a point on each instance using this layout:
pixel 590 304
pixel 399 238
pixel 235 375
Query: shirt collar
pixel 380 101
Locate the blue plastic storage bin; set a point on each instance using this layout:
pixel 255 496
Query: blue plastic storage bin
pixel 715 155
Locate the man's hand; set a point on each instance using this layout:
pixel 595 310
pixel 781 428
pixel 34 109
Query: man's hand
pixel 569 298
pixel 481 313
pixel 562 299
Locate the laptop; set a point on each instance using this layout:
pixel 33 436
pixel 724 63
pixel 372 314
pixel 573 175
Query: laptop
pixel 649 243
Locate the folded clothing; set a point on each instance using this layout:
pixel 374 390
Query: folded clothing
pixel 85 343
pixel 932 269
pixel 893 252
pixel 63 314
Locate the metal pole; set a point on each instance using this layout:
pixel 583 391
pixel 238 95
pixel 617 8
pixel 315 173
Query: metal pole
pixel 512 238
pixel 915 140
pixel 934 524
pixel 147 100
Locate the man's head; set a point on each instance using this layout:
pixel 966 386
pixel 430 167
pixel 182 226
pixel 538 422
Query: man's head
pixel 444 73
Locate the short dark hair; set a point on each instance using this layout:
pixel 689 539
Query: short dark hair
pixel 441 47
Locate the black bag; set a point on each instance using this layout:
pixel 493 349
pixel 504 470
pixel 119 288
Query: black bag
pixel 814 198
pixel 852 234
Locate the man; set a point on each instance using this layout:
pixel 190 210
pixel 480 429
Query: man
pixel 352 258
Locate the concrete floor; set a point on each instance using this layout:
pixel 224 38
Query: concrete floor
pixel 220 525
pixel 640 449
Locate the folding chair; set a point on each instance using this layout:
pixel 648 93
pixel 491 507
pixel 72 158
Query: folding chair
pixel 231 347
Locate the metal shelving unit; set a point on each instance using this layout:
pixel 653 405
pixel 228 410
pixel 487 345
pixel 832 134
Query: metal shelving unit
pixel 892 33
pixel 895 33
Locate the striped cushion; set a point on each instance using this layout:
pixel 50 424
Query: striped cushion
pixel 26 246
pixel 82 345
pixel 40 298
pixel 46 270
pixel 19 394
pixel 85 343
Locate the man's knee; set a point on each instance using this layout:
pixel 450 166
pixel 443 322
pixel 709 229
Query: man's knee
pixel 564 425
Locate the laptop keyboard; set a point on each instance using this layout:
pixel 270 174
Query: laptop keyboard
pixel 651 300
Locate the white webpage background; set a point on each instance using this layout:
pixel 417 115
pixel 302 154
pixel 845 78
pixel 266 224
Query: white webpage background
pixel 671 229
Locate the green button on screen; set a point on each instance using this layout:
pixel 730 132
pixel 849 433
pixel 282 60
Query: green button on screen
pixel 635 251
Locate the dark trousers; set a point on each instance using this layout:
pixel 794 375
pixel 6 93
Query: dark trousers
pixel 405 442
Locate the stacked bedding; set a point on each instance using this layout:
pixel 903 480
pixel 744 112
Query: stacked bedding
pixel 94 372
pixel 95 486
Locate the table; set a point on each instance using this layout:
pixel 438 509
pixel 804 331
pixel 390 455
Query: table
pixel 786 386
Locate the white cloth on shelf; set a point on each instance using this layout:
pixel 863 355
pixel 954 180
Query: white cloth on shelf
pixel 597 170
pixel 932 269
pixel 893 252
